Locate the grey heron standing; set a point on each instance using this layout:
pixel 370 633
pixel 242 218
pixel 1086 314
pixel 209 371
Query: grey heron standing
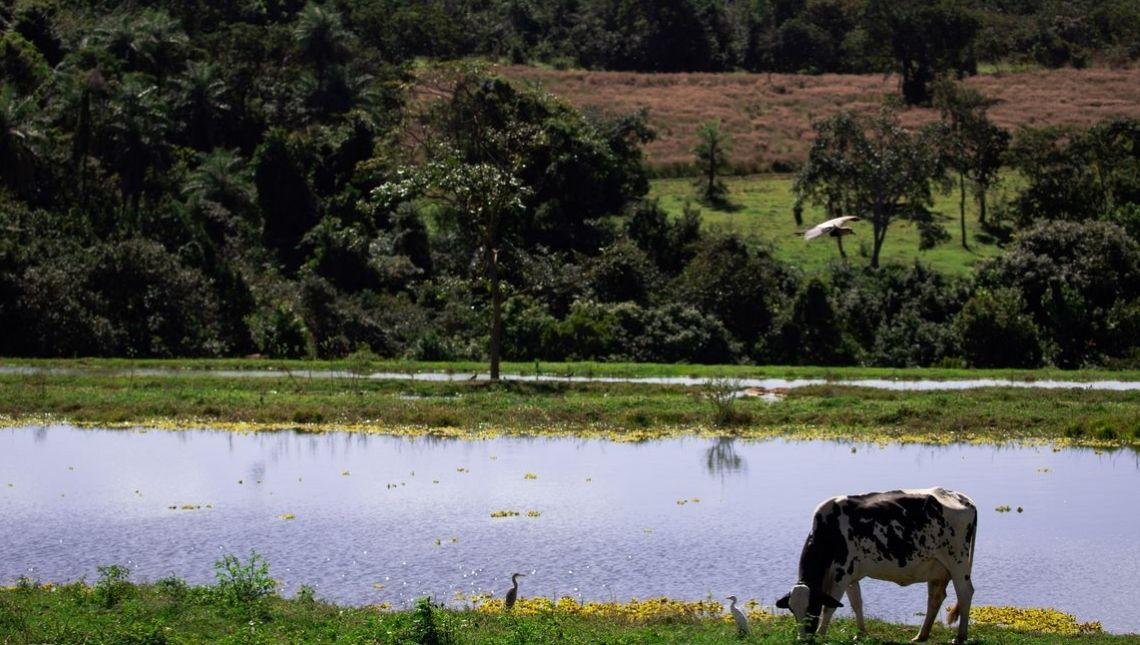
pixel 738 617
pixel 513 593
pixel 833 228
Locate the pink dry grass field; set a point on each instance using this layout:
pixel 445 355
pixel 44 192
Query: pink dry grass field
pixel 769 116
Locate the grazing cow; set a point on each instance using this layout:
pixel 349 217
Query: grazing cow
pixel 904 536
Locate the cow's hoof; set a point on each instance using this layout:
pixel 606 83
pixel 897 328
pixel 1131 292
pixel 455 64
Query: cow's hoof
pixel 920 638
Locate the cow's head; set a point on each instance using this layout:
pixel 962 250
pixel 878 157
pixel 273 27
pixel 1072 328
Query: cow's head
pixel 806 605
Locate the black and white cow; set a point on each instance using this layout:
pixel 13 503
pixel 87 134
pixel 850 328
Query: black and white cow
pixel 904 536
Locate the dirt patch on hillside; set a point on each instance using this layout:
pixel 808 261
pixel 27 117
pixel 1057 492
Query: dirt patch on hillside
pixel 769 116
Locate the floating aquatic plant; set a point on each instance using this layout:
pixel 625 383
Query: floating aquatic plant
pixel 530 476
pixel 287 516
pixel 498 514
pixel 1044 620
pixel 533 513
pixel 1004 508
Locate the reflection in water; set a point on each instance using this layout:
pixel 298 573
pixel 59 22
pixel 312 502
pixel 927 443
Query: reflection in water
pixel 415 515
pixel 722 459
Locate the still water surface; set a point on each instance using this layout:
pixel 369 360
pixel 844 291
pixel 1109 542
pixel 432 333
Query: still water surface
pixel 370 509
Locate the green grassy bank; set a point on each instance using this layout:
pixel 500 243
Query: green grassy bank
pixel 620 411
pixel 172 612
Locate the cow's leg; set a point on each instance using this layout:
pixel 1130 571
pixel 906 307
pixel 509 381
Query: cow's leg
pixel 825 620
pixel 935 594
pixel 836 592
pixel 964 589
pixel 855 597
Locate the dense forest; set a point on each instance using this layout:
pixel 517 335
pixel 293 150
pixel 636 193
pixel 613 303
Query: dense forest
pixel 282 178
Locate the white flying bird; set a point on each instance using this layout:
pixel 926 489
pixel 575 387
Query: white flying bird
pixel 831 228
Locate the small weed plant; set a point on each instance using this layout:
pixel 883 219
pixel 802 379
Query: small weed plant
pixel 112 586
pixel 306 594
pixel 425 624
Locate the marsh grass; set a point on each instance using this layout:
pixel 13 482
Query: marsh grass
pixel 293 369
pixel 722 395
pixel 619 411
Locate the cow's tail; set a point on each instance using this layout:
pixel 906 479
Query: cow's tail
pixel 952 614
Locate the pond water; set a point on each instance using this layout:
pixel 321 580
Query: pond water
pixel 389 519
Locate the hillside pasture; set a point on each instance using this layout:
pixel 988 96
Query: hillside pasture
pixel 769 116
pixel 760 208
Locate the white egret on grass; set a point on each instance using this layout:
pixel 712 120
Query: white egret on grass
pixel 738 616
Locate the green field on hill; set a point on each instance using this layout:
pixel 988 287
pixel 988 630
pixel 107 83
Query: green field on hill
pixel 762 209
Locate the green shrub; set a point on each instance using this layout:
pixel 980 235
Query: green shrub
pixel 172 587
pixel 994 331
pixel 241 584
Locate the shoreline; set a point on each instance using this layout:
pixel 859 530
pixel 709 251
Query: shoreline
pixel 758 435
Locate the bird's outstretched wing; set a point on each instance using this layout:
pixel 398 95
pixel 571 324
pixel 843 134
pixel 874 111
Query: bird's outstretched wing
pixel 826 227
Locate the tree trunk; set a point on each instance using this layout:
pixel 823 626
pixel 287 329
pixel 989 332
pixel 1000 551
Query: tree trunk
pixel 712 173
pixel 878 234
pixel 982 204
pixel 962 208
pixel 496 314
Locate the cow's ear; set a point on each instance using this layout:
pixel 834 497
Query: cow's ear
pixel 782 603
pixel 828 601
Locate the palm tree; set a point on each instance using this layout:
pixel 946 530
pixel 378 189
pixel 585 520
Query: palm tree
pixel 201 103
pixel 151 42
pixel 136 136
pixel 20 139
pixel 221 191
pixel 161 44
pixel 118 36
pixel 82 93
pixel 222 177
pixel 325 44
pixel 322 38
